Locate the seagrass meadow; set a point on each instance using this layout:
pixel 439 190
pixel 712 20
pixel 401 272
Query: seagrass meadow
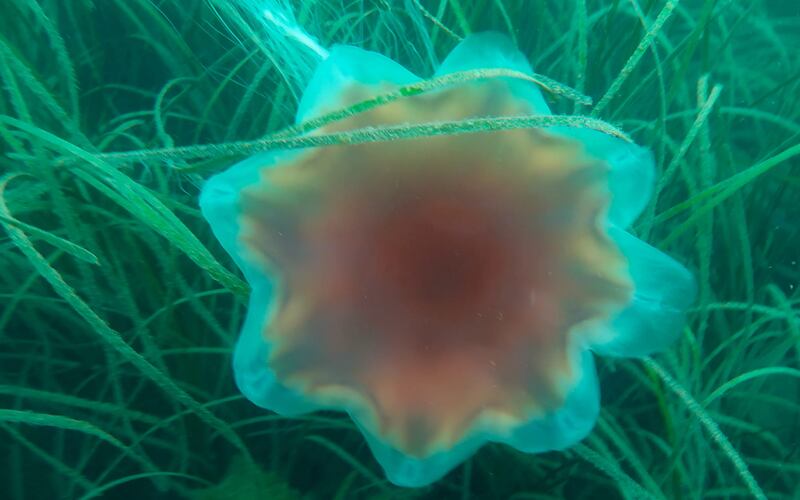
pixel 120 310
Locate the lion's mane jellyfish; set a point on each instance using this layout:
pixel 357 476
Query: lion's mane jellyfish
pixel 447 290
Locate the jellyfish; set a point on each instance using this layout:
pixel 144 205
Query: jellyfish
pixel 444 291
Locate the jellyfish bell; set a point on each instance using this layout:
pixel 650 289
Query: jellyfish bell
pixel 445 291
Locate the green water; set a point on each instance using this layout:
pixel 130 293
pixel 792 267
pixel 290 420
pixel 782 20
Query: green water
pixel 119 309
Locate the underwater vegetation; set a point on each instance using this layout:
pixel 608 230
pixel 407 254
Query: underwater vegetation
pixel 490 188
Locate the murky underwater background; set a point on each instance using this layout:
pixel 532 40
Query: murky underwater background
pixel 119 309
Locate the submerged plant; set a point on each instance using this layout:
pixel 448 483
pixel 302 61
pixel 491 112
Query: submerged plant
pixel 444 291
pixel 120 312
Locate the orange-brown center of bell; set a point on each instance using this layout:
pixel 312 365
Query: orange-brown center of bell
pixel 436 259
pixel 432 285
